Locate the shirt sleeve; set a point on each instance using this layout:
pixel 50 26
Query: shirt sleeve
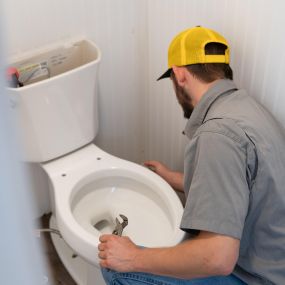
pixel 218 195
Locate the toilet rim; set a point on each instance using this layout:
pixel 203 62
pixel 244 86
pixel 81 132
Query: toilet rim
pixel 67 173
pixel 72 231
pixel 65 197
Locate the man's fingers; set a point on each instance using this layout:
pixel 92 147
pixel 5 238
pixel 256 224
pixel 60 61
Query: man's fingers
pixel 102 255
pixel 151 163
pixel 103 263
pixel 101 246
pixel 105 238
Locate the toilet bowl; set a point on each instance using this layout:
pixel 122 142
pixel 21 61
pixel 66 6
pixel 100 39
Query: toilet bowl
pixel 89 188
pixel 92 188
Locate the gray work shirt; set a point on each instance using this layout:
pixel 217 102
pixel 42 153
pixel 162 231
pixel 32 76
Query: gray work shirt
pixel 235 179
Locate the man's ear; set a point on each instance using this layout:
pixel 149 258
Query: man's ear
pixel 180 74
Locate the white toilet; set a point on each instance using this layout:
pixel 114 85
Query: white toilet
pixel 90 188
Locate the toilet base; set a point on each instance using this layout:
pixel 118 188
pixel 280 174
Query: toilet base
pixel 82 272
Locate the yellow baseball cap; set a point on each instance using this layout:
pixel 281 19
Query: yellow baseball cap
pixel 188 47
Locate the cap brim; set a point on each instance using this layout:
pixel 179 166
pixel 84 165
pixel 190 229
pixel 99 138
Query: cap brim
pixel 165 74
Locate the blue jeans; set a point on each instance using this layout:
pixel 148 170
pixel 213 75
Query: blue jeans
pixel 137 278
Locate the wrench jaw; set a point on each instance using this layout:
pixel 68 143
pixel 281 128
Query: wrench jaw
pixel 118 229
pixel 125 221
pixel 120 225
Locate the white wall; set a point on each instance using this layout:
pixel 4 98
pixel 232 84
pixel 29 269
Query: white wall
pixel 31 24
pixel 20 259
pixel 120 30
pixel 139 117
pixel 254 30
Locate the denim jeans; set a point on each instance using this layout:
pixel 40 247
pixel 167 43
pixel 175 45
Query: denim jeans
pixel 137 278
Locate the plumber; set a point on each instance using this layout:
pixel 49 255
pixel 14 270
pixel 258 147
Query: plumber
pixel 234 182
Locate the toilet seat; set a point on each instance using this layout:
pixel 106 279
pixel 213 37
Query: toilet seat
pixel 80 179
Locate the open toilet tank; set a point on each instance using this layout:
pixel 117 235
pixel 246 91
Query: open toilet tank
pixel 58 120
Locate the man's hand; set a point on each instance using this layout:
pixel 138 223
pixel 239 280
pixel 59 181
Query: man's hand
pixel 208 254
pixel 117 253
pixel 175 179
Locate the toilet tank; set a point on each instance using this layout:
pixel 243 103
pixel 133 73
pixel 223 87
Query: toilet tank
pixel 56 109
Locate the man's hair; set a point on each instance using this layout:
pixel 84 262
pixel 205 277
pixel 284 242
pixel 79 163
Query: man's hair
pixel 209 72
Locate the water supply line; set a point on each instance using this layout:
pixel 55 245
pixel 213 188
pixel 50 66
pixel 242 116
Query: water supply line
pixel 51 231
pixel 48 230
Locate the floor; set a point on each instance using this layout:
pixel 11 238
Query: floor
pixel 58 273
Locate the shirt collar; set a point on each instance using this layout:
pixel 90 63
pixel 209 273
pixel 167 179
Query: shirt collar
pixel 200 111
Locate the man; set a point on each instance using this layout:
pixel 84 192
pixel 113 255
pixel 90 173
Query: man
pixel 233 179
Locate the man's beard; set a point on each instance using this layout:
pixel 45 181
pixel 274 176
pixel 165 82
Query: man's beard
pixel 186 105
pixel 183 99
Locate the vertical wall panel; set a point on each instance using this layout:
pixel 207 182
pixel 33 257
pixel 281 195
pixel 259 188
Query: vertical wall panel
pixel 30 24
pixel 33 23
pixel 119 29
pixel 254 31
pixel 140 117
